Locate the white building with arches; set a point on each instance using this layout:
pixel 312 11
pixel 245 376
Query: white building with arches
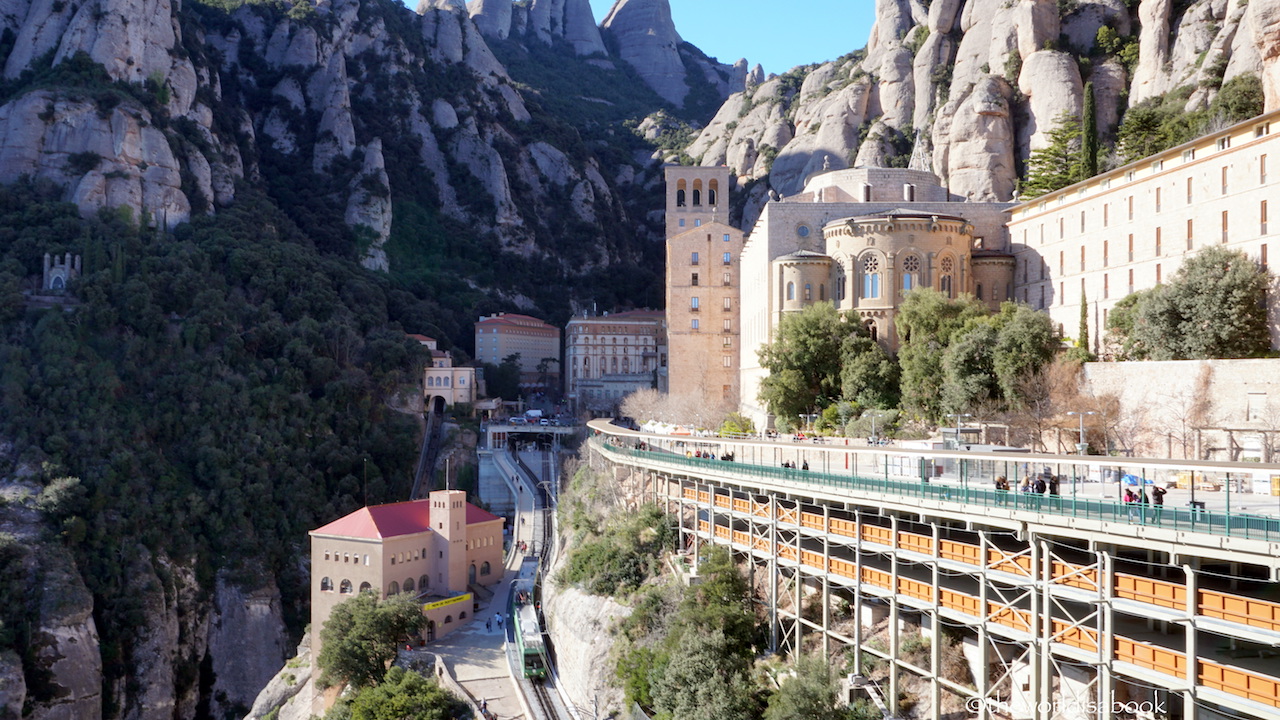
pixel 862 238
pixel 442 382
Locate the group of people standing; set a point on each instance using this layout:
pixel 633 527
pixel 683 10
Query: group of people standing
pixel 1039 485
pixel 1155 491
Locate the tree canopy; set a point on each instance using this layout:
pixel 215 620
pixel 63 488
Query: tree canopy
pixel 362 635
pixel 820 356
pixel 1213 307
pixel 1061 162
pixel 401 695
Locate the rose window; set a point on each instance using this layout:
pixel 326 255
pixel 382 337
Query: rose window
pixel 911 264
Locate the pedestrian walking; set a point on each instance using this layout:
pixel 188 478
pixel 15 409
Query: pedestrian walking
pixel 488 626
pixel 1157 495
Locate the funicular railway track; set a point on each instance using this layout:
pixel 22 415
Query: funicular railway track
pixel 542 698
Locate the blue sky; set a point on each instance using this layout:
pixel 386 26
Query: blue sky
pixel 777 35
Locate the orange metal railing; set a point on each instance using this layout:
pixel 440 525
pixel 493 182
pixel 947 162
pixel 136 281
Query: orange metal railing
pixel 960 552
pixel 1240 683
pixel 915 543
pixel 1153 592
pixel 1075 636
pixel 1151 657
pixel 1009 616
pixel 1246 611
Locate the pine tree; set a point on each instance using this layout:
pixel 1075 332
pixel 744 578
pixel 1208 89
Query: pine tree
pixel 1059 163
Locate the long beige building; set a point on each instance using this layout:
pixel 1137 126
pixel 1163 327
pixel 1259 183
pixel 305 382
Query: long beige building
pixel 703 290
pixel 505 334
pixel 1131 228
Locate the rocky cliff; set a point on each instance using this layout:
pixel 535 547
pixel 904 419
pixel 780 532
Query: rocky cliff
pixel 198 651
pixel 164 108
pixel 969 88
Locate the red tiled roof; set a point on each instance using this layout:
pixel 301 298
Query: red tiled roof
pixel 515 320
pixel 479 515
pixel 378 522
pixel 421 338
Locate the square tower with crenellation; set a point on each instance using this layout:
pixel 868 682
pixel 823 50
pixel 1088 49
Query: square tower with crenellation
pixel 703 291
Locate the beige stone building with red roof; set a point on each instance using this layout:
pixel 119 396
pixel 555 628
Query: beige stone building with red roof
pixel 435 548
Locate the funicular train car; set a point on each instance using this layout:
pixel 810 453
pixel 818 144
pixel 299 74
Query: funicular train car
pixel 528 631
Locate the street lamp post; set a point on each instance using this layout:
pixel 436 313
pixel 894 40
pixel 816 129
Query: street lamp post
pixel 964 485
pixel 1083 446
pixel 957 416
pixel 874 415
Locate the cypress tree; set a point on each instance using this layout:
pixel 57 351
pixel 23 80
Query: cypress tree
pixel 1090 132
pixel 1082 339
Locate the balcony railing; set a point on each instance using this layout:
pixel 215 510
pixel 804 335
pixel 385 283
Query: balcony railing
pixel 1240 525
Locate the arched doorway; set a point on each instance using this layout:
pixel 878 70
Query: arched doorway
pixel 471 575
pixel 431 630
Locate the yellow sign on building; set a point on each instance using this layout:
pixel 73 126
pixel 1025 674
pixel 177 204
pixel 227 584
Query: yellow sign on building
pixel 446 603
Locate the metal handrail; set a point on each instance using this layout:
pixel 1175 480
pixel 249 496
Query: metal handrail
pixel 1241 525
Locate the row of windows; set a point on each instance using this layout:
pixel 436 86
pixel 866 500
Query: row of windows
pixel 1157 165
pixel 682 192
pixel 602 363
pixel 1126 290
pixel 345 557
pixel 1223 188
pixel 1224 236
pixel 444 381
pixel 588 339
pixel 808 292
pixel 479 543
pixel 695 304
pixel 726 258
pixel 728 325
pixel 727 280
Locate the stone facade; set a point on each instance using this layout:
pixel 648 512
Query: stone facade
pixel 861 238
pixel 59 272
pixel 610 356
pixel 703 289
pixel 434 548
pixel 504 334
pixel 1131 228
pixel 1164 410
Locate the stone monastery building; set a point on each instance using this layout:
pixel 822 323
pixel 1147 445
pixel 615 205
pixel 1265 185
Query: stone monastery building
pixel 434 548
pixel 862 237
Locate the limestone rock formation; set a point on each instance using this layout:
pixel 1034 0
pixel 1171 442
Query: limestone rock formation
pixel 66 644
pixel 646 39
pixel 1264 24
pixel 369 206
pixel 120 159
pixel 1051 81
pixel 13 686
pixel 247 644
pixel 975 140
pixel 542 20
pixel 290 693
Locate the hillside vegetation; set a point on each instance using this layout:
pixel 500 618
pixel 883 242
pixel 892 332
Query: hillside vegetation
pixel 214 393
